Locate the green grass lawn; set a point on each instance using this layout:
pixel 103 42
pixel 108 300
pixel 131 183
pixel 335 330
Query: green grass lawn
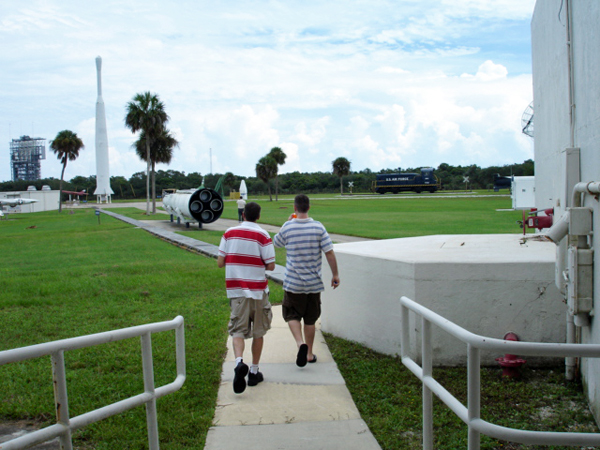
pixel 138 214
pixel 393 217
pixel 65 275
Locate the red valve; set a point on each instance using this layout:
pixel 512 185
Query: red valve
pixel 510 363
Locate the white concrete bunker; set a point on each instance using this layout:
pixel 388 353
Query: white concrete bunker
pixel 488 284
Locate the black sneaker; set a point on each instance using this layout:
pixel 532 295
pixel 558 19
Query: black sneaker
pixel 239 381
pixel 255 378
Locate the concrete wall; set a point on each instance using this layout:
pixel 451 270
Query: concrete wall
pixel 488 284
pixel 553 126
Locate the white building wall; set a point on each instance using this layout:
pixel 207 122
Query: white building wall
pixel 46 201
pixel 551 113
pixel 553 127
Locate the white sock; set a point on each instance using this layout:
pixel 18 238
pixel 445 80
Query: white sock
pixel 238 360
pixel 254 369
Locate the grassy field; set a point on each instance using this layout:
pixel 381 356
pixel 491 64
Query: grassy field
pixel 386 217
pixel 138 214
pixel 65 275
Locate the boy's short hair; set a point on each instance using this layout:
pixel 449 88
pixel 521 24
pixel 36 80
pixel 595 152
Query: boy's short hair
pixel 252 211
pixel 302 203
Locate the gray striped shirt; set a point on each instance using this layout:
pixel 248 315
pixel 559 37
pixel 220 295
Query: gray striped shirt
pixel 304 240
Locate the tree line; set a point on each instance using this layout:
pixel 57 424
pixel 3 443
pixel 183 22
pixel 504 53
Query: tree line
pixel 135 187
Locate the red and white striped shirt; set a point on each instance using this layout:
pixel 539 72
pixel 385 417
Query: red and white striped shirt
pixel 247 249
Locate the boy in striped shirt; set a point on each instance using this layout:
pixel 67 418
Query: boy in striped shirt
pixel 246 251
pixel 304 239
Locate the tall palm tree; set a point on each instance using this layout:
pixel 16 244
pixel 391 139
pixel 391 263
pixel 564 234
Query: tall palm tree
pixel 161 151
pixel 66 146
pixel 279 156
pixel 341 167
pixel 146 113
pixel 266 169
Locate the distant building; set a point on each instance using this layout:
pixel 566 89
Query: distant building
pixel 26 155
pixel 47 200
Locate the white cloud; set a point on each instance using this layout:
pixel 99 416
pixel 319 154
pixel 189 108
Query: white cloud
pixel 498 9
pixel 244 135
pixel 293 163
pixel 310 136
pixel 377 82
pixel 488 71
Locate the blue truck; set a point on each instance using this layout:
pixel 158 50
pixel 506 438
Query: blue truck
pixel 399 182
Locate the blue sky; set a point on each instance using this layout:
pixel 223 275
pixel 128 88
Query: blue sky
pixel 386 84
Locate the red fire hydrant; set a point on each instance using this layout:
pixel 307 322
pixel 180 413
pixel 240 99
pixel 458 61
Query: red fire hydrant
pixel 539 222
pixel 510 363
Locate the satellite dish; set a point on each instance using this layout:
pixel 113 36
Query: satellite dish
pixel 527 120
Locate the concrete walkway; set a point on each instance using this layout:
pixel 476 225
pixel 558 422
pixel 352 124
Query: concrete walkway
pixel 294 408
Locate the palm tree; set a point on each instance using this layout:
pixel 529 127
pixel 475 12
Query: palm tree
pixel 66 146
pixel 266 169
pixel 146 113
pixel 161 151
pixel 341 167
pixel 277 154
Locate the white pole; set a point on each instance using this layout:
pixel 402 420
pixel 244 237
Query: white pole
pixel 148 369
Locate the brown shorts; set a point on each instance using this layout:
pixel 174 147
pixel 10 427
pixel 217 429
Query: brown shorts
pixel 301 306
pixel 250 318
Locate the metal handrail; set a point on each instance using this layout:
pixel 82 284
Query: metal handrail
pixel 470 414
pixel 65 424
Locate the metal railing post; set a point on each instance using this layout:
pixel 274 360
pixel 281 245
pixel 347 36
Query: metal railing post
pixel 471 415
pixel 404 336
pixel 65 424
pixel 427 365
pixel 148 369
pixel 180 349
pixel 61 399
pixel 473 395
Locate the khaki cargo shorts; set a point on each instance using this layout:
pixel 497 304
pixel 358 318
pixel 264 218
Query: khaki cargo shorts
pixel 250 318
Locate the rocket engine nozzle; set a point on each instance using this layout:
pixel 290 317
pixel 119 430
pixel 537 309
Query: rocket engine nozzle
pixel 204 205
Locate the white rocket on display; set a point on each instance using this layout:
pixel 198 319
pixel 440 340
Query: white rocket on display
pixel 243 190
pixel 103 191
